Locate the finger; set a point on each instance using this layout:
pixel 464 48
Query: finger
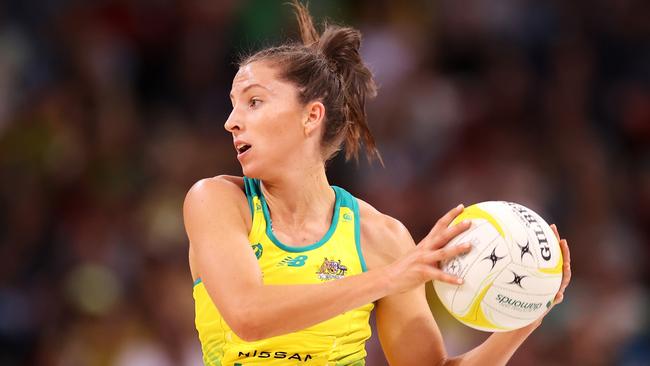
pixel 566 265
pixel 451 252
pixel 566 276
pixel 447 218
pixel 557 234
pixel 446 277
pixel 566 253
pixel 443 236
pixel 563 288
pixel 446 235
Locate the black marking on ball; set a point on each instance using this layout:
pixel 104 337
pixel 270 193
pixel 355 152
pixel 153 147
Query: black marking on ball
pixel 493 257
pixel 517 279
pixel 525 249
pixel 454 267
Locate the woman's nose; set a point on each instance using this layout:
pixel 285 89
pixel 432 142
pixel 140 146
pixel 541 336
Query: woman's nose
pixel 232 123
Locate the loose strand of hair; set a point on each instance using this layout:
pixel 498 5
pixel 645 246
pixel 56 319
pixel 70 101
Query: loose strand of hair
pixel 308 32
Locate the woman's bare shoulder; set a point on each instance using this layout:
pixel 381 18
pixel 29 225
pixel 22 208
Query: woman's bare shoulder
pixel 220 185
pixel 218 192
pixel 220 182
pixel 383 238
pixel 213 202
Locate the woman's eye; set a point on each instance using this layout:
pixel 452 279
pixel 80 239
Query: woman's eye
pixel 254 102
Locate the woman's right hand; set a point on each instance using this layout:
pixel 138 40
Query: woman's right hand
pixel 422 264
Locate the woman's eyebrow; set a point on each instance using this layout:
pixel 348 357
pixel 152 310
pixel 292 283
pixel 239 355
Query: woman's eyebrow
pixel 251 86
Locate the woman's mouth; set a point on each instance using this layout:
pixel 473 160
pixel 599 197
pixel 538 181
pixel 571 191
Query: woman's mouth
pixel 242 148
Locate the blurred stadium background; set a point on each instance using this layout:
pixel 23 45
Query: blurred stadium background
pixel 111 109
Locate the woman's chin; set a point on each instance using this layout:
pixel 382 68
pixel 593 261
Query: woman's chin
pixel 250 171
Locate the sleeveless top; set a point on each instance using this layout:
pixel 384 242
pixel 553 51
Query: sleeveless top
pixel 337 341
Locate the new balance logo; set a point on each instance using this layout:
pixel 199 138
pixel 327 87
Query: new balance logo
pixel 290 261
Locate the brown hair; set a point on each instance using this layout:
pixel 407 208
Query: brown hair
pixel 329 68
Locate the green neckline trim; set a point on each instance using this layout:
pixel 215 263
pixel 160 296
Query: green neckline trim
pixel 198 280
pixel 357 232
pixel 249 194
pixel 318 244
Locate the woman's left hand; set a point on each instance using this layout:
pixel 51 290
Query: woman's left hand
pixel 566 276
pixel 566 267
pixel 514 338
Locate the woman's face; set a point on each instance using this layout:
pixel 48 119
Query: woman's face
pixel 266 121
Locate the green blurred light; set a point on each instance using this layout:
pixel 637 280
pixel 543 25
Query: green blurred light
pixel 93 288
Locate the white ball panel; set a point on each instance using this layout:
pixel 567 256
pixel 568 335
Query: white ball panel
pixel 515 308
pixel 483 272
pixel 541 238
pixel 528 281
pixel 479 235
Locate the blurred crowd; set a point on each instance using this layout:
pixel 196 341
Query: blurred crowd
pixel 111 109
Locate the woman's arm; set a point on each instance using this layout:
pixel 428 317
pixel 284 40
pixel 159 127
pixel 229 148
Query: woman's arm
pixel 214 214
pixel 407 330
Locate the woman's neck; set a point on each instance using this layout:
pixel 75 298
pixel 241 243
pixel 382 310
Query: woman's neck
pixel 298 198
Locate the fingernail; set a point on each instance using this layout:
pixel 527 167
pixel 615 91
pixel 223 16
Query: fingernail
pixel 459 281
pixel 460 206
pixel 466 222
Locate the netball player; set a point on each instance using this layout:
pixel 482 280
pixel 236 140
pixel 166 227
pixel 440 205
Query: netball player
pixel 287 268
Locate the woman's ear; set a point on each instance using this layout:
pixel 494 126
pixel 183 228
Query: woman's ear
pixel 314 117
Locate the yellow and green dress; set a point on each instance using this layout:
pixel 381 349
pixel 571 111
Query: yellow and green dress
pixel 337 341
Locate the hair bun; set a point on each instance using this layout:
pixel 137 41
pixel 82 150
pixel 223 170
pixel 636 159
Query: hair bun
pixel 328 67
pixel 340 46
